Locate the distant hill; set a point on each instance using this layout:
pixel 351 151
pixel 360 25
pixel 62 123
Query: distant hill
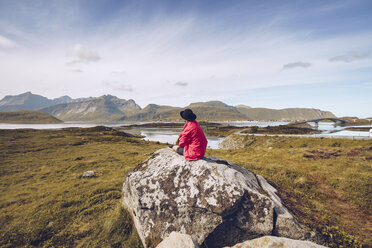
pixel 29 101
pixel 111 109
pixel 153 112
pixel 25 101
pixel 217 111
pixel 243 106
pixel 27 117
pixel 100 109
pixel 289 114
pixel 205 111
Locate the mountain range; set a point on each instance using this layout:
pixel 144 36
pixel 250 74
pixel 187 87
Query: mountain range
pixel 29 101
pixel 110 108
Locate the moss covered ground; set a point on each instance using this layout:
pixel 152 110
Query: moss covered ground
pixel 45 203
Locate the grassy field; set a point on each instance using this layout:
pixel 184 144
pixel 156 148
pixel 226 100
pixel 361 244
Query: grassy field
pixel 45 203
pixel 325 182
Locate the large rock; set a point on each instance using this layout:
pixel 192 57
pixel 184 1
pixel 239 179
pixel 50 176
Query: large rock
pixel 212 200
pixel 276 242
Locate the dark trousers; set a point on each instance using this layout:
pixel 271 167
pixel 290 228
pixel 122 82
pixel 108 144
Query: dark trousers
pixel 180 150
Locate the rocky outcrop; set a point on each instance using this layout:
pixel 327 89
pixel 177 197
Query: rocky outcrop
pixel 212 200
pixel 178 240
pixel 236 141
pixel 276 242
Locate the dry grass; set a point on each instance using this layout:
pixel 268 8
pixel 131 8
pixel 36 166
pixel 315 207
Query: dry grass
pixel 325 182
pixel 44 203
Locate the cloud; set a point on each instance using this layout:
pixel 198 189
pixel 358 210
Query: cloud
pixel 82 55
pixel 349 57
pixel 117 86
pixel 77 71
pixel 6 44
pixel 189 46
pixel 296 64
pixel 180 83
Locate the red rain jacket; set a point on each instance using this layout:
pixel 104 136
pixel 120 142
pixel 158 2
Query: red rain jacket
pixel 193 140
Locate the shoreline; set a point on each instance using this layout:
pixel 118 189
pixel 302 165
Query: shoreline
pixel 311 136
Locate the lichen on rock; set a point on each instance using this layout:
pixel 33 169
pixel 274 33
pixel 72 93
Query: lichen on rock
pixel 212 200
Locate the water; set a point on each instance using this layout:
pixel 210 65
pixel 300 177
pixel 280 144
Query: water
pixel 162 135
pixel 346 133
pixel 169 135
pixel 253 123
pixel 329 130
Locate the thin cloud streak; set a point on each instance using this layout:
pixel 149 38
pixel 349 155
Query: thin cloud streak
pixel 181 83
pixel 296 65
pixel 117 86
pixel 350 57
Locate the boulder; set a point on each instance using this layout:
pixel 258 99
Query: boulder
pixel 276 242
pixel 213 200
pixel 89 174
pixel 236 141
pixel 178 240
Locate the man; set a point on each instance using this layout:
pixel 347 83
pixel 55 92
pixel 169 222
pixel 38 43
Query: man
pixel 191 142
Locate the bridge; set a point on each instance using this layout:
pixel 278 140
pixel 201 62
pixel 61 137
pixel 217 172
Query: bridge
pixel 337 122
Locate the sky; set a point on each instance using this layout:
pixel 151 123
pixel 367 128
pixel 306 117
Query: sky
pixel 273 54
